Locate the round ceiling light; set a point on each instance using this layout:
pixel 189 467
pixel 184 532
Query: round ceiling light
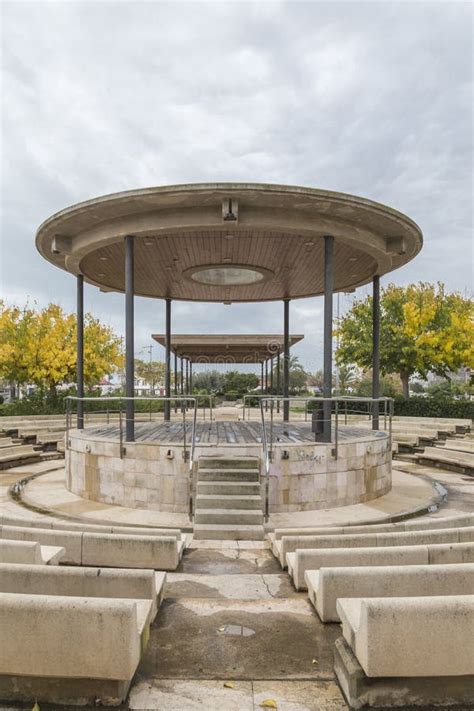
pixel 228 274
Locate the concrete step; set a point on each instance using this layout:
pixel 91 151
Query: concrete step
pixel 207 531
pixel 228 501
pixel 228 474
pixel 229 463
pixel 228 516
pixel 224 488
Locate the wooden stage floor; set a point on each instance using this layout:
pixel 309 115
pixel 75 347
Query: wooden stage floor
pixel 228 432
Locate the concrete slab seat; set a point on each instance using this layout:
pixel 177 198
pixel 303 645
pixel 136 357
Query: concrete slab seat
pixel 327 585
pixel 71 581
pixel 109 549
pixel 302 563
pixel 29 552
pixel 12 456
pixel 404 651
pixel 67 650
pixel 7 442
pixel 279 549
pixel 461 462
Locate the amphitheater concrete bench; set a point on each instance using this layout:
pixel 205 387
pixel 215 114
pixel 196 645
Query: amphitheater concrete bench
pixel 401 651
pixel 327 585
pixel 462 445
pixel 71 581
pixel 417 524
pixel 372 540
pixel 107 549
pixel 58 648
pixel 461 462
pixel 23 454
pixel 302 561
pixel 21 552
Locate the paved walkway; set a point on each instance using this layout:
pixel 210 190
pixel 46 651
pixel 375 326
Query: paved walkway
pixel 232 633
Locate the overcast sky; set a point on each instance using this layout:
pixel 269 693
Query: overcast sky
pixel 371 98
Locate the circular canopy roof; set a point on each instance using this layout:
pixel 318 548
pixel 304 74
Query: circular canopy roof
pixel 227 348
pixel 229 241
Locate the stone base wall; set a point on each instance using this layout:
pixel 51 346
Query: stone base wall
pixel 155 476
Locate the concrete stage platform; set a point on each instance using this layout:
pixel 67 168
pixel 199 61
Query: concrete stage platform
pixel 47 493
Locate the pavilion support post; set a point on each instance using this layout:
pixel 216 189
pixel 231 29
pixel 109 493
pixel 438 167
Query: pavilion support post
pixel 80 351
pixel 190 377
pixel 175 381
pixel 286 358
pixel 182 375
pixel 375 350
pixel 129 339
pixel 278 379
pixel 266 383
pixel 187 377
pixel 262 382
pixel 168 360
pixel 328 314
pixel 271 375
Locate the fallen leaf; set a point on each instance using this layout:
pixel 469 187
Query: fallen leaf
pixel 36 707
pixel 269 704
pixel 221 629
pixel 315 661
pixel 229 685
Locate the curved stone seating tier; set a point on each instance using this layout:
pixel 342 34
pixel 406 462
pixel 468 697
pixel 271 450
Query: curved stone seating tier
pixel 302 561
pixel 327 585
pixel 462 445
pixel 462 462
pixel 58 524
pixel 105 640
pixel 29 552
pixel 108 549
pixel 7 442
pixel 12 456
pixel 84 582
pixel 279 550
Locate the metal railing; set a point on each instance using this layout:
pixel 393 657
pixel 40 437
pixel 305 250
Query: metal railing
pixel 273 400
pixel 188 449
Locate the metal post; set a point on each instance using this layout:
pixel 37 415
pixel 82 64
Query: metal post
pixel 278 380
pixel 327 372
pixel 190 377
pixel 266 384
pixel 286 358
pixel 168 359
pixel 262 386
pixel 182 375
pixel 271 375
pixel 187 378
pixel 175 381
pixel 129 340
pixel 375 350
pixel 80 351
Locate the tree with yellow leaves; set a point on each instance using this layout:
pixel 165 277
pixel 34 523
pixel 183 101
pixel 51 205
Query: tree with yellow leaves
pixel 423 330
pixel 39 347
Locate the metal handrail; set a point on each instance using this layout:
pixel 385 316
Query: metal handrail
pixel 266 461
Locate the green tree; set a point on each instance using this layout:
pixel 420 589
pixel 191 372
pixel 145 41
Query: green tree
pixel 208 381
pixel 298 376
pixel 423 330
pixel 241 383
pixel 152 372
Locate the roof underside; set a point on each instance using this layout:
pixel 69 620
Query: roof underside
pixel 229 241
pixel 226 348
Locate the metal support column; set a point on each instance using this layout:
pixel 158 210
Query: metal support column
pixel 190 377
pixel 286 358
pixel 182 375
pixel 278 392
pixel 80 351
pixel 187 377
pixel 175 381
pixel 129 340
pixel 271 375
pixel 168 359
pixel 327 369
pixel 375 350
pixel 266 383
